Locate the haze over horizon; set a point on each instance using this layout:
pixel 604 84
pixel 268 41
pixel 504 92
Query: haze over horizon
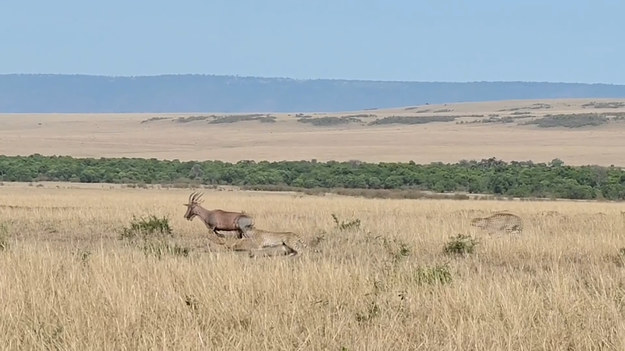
pixel 406 41
pixel 289 78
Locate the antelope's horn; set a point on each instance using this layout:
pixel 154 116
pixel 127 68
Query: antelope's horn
pixel 194 197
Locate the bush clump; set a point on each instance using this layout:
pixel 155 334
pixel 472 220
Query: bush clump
pixel 610 104
pixel 569 121
pixel 152 235
pixel 412 120
pixel 329 121
pixel 242 118
pixel 147 227
pixel 460 245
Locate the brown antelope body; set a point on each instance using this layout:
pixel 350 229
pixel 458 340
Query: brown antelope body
pixel 218 220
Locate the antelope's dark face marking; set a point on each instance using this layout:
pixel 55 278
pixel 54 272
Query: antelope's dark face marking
pixel 193 202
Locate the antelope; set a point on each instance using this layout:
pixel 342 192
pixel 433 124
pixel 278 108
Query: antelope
pixel 498 223
pixel 217 219
pixel 265 243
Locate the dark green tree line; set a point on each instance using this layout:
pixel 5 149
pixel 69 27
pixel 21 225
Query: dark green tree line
pixel 488 176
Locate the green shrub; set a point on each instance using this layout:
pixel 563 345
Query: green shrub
pixel 151 226
pixel 152 235
pixel 460 245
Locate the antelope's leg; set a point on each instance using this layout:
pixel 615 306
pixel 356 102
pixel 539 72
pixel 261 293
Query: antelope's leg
pixel 218 233
pixel 243 234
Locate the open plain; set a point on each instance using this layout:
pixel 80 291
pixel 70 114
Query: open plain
pixel 377 274
pixel 378 279
pixel 423 134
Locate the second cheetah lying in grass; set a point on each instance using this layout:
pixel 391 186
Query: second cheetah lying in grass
pixel 499 223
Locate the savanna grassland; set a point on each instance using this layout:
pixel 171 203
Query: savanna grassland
pixel 377 278
pixel 577 131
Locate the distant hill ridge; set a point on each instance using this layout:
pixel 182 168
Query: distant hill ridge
pixel 43 93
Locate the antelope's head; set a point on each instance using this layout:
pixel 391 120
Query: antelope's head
pixel 194 202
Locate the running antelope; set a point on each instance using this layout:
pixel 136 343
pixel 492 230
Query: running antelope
pixel 217 219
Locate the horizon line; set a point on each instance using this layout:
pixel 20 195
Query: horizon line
pixel 297 79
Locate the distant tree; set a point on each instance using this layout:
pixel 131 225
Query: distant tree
pixel 556 162
pixel 196 172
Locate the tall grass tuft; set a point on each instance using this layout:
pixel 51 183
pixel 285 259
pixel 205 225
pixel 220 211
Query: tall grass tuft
pixel 432 275
pixel 346 225
pixel 4 236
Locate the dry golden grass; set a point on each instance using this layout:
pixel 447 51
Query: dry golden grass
pixel 123 135
pixel 68 283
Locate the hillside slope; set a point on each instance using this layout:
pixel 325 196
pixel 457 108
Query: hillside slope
pixel 44 93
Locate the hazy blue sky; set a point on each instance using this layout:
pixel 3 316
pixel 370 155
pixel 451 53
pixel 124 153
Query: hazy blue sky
pixel 436 40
